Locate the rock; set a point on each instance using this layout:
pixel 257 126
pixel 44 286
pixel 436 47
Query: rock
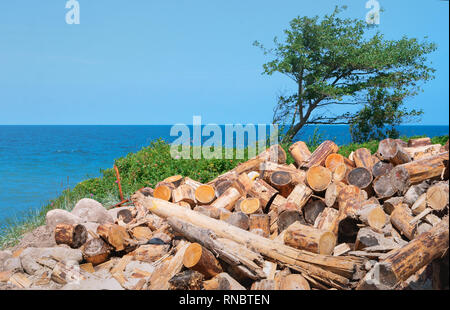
pixel 113 212
pixel 92 211
pixel 94 283
pixel 30 256
pixel 12 264
pixel 92 227
pixel 59 216
pixel 4 255
pixel 41 237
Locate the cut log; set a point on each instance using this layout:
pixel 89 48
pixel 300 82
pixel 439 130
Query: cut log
pixel 282 181
pixel 300 152
pixel 438 196
pixel 318 178
pixel 115 235
pixel 414 192
pixel 205 194
pixel 250 206
pixel 187 280
pixel 184 193
pixel 294 282
pixel 263 191
pixel 142 233
pixel 263 285
pixel 20 280
pixel 227 199
pixel 402 263
pixel 284 254
pixel 367 238
pixel 363 159
pixel 299 196
pixel 328 220
pixel 192 183
pixel 72 235
pixel 312 209
pixel 332 193
pixel 333 161
pixel 202 260
pixel 287 217
pixel 147 191
pixel 419 142
pixel 311 239
pixel 319 156
pixel 373 216
pixel 418 171
pixel 341 249
pixel 95 251
pixel 390 204
pixel 340 173
pixel 268 168
pixel 150 253
pixel 260 221
pixel 210 211
pixel 163 191
pixel 391 151
pixel 383 186
pixel 400 219
pixel 223 282
pixel 381 168
pixel 360 177
pixel 243 183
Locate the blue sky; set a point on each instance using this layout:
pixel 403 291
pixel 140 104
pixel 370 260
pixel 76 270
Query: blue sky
pixel 163 61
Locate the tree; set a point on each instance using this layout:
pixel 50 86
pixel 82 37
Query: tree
pixel 335 62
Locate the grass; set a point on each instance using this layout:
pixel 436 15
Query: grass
pixel 144 168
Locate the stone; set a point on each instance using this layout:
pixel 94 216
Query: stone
pixel 12 264
pixel 30 256
pixel 4 255
pixel 59 216
pixel 92 211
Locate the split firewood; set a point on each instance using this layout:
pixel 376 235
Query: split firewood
pixel 390 204
pixel 420 204
pixel 142 233
pixel 95 251
pixel 20 280
pixel 319 156
pixel 64 273
pixel 187 280
pixel 373 216
pixel 115 235
pixel 318 178
pixel 72 235
pixel 311 239
pixel 184 193
pixel 414 192
pixel 299 196
pixel 341 249
pixel 205 194
pixel 391 151
pixel 438 196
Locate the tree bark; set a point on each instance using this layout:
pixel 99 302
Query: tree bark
pixel 72 235
pixel 319 156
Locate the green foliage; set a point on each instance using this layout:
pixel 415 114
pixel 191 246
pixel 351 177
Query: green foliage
pixel 338 62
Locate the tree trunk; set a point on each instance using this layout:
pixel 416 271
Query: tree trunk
pixel 381 168
pixel 360 177
pixel 318 178
pixel 227 199
pixel 332 193
pixel 205 194
pixel 312 209
pixel 373 216
pixel 390 150
pixel 163 191
pixel 328 220
pixel 299 196
pixel 115 235
pixel 184 193
pixel 311 239
pixel 400 219
pixel 202 260
pixel 95 251
pixel 263 191
pixel 300 152
pixel 282 181
pixel 363 158
pixel 437 196
pixel 260 221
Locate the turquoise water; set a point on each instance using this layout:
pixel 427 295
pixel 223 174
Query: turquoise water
pixel 38 162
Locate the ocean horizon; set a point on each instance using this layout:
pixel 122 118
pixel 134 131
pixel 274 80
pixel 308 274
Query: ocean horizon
pixel 37 162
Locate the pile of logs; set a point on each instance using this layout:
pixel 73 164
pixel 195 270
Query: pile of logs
pixel 369 221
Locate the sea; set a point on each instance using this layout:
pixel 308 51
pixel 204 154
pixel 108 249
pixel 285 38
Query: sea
pixel 38 162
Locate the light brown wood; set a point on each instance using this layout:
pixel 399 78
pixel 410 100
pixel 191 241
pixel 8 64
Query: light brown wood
pixel 400 219
pixel 318 178
pixel 263 191
pixel 250 206
pixel 238 219
pixel 150 253
pixel 384 187
pixel 187 280
pixel 312 209
pixel 223 282
pixel 294 282
pixel 420 204
pixel 381 168
pixel 340 173
pixel 184 193
pixel 438 196
pixel 414 192
pixel 268 168
pixel 163 191
pixel 95 251
pixel 142 233
pixel 287 217
pixel 373 215
pixel 363 158
pixel 299 196
pixel 300 152
pixel 311 239
pixel 205 194
pixel 66 273
pixel 260 221
pixel 328 220
pixel 115 235
pixel 192 183
pixel 333 161
pixel 20 280
pixel 282 181
pixel 319 156
pixel 391 150
pixel 419 142
pixel 227 199
pixel 360 177
pixel 72 235
pixel 390 204
pixel 202 260
pixel 176 180
pixel 332 193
